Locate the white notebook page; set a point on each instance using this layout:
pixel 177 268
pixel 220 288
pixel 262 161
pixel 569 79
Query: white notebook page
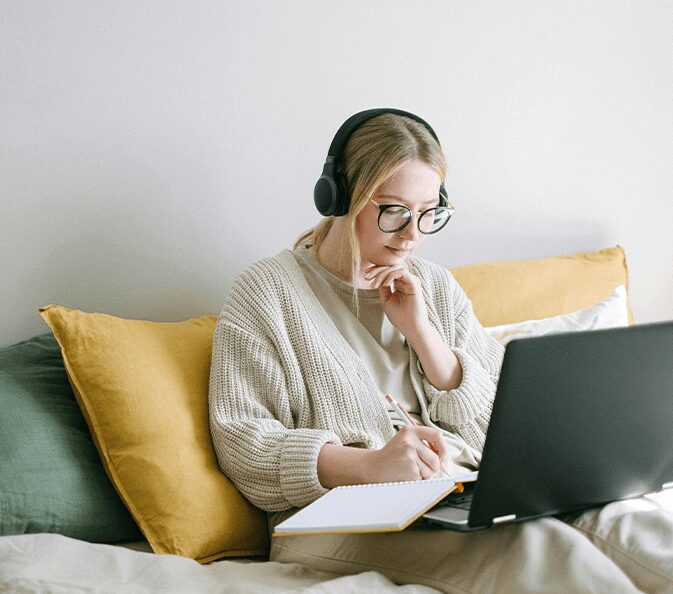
pixel 365 508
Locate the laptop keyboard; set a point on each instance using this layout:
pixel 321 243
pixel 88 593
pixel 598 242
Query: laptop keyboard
pixel 459 500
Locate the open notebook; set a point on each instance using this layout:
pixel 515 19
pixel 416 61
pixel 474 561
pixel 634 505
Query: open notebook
pixel 376 507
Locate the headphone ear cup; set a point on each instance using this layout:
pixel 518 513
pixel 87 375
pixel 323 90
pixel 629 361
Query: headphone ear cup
pixel 343 199
pixel 325 195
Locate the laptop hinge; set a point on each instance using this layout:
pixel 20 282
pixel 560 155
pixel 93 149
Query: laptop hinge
pixel 667 485
pixel 501 519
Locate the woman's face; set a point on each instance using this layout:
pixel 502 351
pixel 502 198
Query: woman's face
pixel 414 185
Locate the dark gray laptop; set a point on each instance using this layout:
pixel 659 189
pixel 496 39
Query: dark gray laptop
pixel 579 419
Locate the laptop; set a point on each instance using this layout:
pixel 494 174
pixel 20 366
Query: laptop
pixel 579 419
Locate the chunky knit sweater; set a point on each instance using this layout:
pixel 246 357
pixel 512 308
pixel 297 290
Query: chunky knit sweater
pixel 284 381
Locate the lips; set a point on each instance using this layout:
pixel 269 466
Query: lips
pixel 398 251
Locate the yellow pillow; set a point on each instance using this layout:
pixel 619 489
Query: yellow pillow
pixel 519 290
pixel 143 389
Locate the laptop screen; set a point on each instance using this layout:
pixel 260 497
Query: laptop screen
pixel 579 419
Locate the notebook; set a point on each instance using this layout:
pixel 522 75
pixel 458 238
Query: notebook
pixel 579 419
pixel 376 507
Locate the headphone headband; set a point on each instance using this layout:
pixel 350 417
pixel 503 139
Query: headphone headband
pixel 356 120
pixel 331 194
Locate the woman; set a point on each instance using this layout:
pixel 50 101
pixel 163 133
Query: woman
pixel 310 341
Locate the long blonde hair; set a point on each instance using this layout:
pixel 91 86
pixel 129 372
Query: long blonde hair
pixel 373 152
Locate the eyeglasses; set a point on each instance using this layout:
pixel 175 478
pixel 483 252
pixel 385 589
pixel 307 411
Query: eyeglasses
pixel 395 217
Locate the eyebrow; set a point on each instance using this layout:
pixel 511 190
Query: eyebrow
pixel 404 201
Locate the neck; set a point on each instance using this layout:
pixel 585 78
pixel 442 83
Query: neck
pixel 334 254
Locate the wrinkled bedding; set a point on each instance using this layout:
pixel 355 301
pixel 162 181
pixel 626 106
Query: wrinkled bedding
pixel 56 563
pixel 31 563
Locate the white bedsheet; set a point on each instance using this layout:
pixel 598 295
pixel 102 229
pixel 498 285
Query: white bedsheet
pixel 56 563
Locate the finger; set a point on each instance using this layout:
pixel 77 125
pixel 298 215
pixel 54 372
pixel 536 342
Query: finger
pixel 391 278
pixel 385 293
pixel 434 437
pixel 406 282
pixel 386 277
pixel 429 458
pixel 373 270
pixel 373 276
pixel 425 470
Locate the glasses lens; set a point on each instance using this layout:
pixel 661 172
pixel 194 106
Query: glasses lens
pixel 434 219
pixel 394 218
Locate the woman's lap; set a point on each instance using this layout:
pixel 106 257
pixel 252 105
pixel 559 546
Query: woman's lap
pixel 638 535
pixel 613 549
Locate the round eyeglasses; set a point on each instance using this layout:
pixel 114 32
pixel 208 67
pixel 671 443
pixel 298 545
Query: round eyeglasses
pixel 395 217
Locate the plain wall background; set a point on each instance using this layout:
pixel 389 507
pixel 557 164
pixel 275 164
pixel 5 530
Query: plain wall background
pixel 150 151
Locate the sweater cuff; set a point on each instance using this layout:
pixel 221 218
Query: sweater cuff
pixel 471 400
pixel 299 465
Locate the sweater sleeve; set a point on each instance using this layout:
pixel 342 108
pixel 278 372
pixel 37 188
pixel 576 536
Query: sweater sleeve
pixel 270 461
pixel 466 410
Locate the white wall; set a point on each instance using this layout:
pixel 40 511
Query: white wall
pixel 149 151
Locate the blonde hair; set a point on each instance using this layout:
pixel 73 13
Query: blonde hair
pixel 373 152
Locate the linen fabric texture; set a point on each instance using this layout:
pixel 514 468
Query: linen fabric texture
pixel 51 478
pixel 284 381
pixel 143 387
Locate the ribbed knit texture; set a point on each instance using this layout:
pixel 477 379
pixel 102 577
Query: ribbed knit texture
pixel 284 382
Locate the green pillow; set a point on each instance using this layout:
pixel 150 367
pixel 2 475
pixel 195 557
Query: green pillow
pixel 51 478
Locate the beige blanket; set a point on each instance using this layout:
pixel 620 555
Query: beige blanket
pixel 55 563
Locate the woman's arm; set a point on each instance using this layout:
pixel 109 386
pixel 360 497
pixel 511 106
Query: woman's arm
pixel 406 309
pixel 460 361
pixel 440 365
pixel 465 409
pixel 271 463
pixel 404 458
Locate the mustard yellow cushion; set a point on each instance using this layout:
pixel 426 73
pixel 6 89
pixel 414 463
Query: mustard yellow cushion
pixel 143 389
pixel 519 290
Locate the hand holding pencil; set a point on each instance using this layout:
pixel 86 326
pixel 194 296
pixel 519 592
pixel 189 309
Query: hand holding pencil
pixel 408 420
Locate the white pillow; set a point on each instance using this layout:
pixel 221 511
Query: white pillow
pixel 611 313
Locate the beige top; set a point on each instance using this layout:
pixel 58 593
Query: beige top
pixel 382 347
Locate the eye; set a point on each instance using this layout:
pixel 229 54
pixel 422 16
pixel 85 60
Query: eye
pixel 397 211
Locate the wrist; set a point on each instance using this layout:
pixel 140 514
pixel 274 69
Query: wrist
pixel 343 465
pixel 419 334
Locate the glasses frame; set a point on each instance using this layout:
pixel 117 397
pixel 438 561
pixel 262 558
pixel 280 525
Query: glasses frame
pixel 383 207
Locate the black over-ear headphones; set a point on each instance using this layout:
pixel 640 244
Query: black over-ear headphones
pixel 331 194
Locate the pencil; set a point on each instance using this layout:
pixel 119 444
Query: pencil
pixel 407 419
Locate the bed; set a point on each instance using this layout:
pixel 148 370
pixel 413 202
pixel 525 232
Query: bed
pixel 108 480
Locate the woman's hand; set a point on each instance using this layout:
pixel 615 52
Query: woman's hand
pixel 406 458
pixel 405 306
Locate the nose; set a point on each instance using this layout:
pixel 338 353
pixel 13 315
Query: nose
pixel 411 232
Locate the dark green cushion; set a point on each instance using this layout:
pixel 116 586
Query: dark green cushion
pixel 51 478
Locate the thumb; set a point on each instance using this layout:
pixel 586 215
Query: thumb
pixel 384 293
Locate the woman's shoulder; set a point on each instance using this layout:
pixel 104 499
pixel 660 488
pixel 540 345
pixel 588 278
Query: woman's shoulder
pixel 438 277
pixel 268 285
pixel 274 270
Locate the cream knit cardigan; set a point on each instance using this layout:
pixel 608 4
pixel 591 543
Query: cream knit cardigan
pixel 284 381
